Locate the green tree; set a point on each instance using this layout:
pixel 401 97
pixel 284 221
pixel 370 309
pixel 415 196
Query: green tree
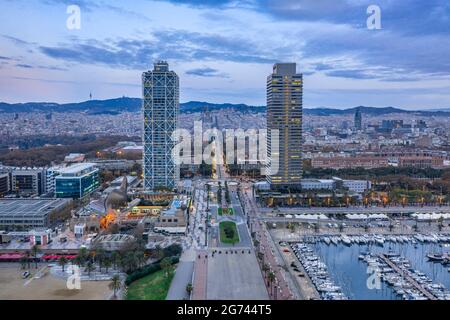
pixel 115 284
pixel 115 258
pixel 265 268
pixel 35 251
pixel 271 279
pixel 107 263
pixel 189 288
pixel 89 268
pixel 166 265
pixel 23 262
pixel 62 262
pixel 83 255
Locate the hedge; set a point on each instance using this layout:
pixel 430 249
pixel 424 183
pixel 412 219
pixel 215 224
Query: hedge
pixel 149 269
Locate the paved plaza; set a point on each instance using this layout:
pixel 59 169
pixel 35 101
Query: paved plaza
pixel 244 280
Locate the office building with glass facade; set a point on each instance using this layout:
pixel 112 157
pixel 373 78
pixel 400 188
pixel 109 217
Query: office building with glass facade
pixel 77 181
pixel 284 127
pixel 160 105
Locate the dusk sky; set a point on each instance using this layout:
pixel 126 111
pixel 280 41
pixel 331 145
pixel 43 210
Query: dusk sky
pixel 224 50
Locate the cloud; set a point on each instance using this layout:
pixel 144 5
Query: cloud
pixel 91 6
pixel 353 74
pixel 17 41
pixel 24 66
pixel 212 3
pixel 169 45
pixel 206 72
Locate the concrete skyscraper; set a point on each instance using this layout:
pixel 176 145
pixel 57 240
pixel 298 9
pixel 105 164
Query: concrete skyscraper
pixel 161 104
pixel 284 115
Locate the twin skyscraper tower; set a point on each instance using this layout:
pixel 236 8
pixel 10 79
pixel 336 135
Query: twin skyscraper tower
pixel 161 106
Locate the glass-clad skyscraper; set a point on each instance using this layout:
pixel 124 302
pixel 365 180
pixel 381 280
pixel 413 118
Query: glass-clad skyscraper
pixel 284 121
pixel 160 108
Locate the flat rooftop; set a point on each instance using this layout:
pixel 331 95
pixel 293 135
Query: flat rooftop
pixel 77 169
pixel 175 205
pixel 30 207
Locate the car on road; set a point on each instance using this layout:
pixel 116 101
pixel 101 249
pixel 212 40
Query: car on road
pixel 25 274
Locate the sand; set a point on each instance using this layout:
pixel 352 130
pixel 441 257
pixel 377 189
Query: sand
pixel 13 287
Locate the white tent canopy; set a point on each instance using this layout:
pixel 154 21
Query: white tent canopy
pixel 430 216
pixel 361 216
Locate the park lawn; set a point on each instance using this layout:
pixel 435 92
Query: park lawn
pixel 152 287
pixel 223 236
pixel 221 211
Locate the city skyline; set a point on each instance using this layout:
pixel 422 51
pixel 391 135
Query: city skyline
pixel 344 63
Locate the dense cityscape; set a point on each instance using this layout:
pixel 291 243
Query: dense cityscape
pixel 151 199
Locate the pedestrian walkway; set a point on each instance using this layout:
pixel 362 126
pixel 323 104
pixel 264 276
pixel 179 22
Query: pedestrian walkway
pixel 200 276
pixel 183 276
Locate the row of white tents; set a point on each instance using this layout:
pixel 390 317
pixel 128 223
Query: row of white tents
pixel 360 216
pixel 430 216
pixel 307 216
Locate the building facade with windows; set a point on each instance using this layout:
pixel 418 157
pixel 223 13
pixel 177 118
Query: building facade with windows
pixel 4 183
pixel 29 181
pixel 77 181
pixel 160 110
pixel 284 126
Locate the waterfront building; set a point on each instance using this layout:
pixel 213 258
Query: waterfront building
pixel 160 110
pixel 284 116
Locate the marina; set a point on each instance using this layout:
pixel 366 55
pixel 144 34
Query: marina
pixel 410 267
pixel 317 272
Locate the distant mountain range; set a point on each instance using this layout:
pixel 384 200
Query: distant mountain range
pixel 125 104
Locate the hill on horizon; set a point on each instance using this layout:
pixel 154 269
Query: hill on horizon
pixel 126 104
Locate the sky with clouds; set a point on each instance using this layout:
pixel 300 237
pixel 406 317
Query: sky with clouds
pixel 224 50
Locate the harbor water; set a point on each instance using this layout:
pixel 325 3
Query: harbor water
pixel 350 273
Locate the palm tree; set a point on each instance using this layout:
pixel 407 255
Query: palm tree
pixel 62 262
pixel 35 250
pixel 166 265
pixel 265 268
pixel 261 256
pixel 256 244
pixel 78 261
pixel 83 254
pixel 23 262
pixel 99 255
pixel 115 284
pixel 271 278
pixel 189 288
pixel 114 258
pixel 107 264
pixel 28 255
pixel 90 267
